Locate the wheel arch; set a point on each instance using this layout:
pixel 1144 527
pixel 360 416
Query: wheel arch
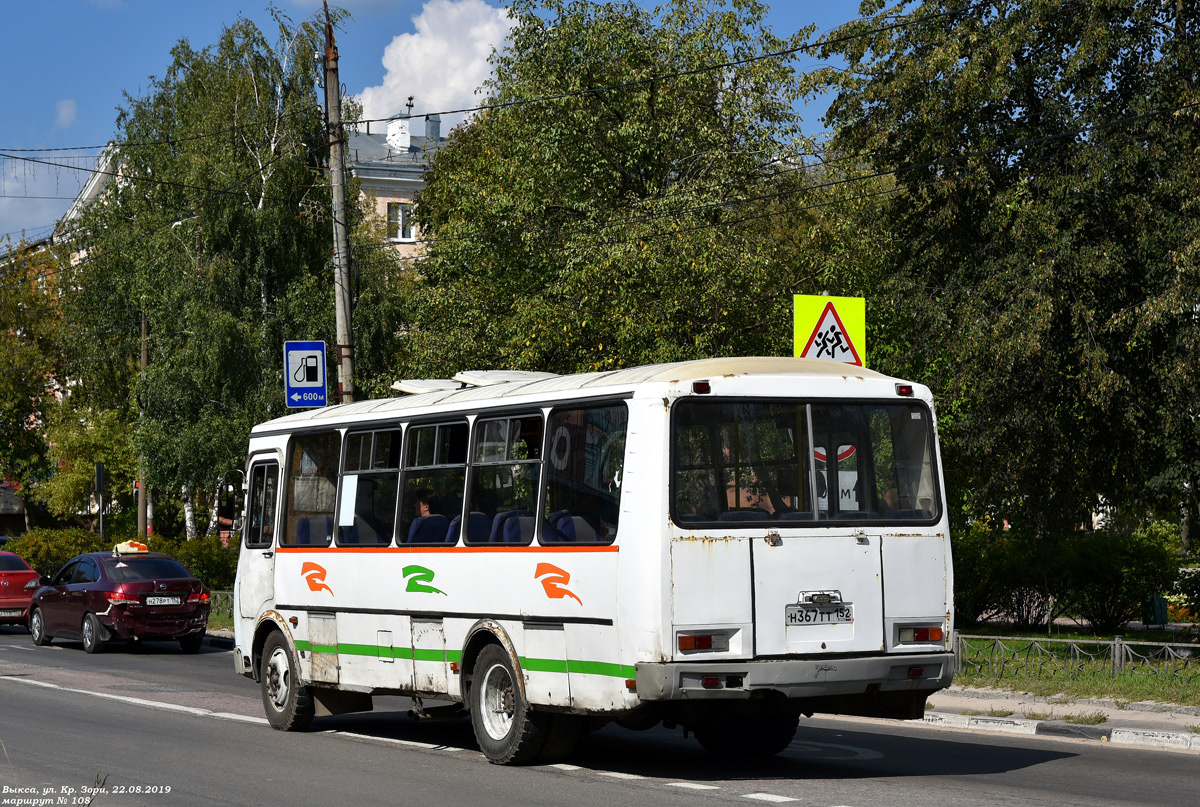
pixel 270 622
pixel 483 633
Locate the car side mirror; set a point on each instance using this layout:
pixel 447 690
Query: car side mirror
pixel 46 580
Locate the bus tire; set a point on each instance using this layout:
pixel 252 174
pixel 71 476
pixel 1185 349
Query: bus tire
pixel 748 737
pixel 507 730
pixel 288 704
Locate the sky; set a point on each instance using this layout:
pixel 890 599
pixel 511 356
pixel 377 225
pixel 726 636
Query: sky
pixel 70 62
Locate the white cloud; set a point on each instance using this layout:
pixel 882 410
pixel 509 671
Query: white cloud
pixel 442 64
pixel 65 114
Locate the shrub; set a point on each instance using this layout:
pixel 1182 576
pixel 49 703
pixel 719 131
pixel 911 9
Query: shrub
pixel 207 557
pixel 1187 587
pixel 1109 574
pixel 46 550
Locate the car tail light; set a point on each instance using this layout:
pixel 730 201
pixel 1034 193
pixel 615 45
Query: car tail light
pixel 921 635
pixel 198 596
pixel 121 598
pixel 35 583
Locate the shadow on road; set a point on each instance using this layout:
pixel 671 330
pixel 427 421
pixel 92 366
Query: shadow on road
pixel 827 750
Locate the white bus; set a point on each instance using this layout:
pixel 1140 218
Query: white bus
pixel 722 545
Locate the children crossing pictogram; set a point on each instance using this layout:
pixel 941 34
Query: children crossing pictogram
pixel 831 339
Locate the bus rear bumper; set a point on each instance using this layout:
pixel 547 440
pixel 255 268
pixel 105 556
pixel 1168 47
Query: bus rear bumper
pixel 793 678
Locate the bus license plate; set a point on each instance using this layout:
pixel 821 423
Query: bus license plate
pixel 162 601
pixel 805 614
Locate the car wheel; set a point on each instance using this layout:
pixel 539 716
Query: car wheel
pixel 37 628
pixel 192 642
pixel 289 704
pixel 93 634
pixel 508 732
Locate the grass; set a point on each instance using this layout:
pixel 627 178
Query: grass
pixel 1086 718
pixel 220 622
pixel 1127 688
pixel 1039 715
pixel 1194 728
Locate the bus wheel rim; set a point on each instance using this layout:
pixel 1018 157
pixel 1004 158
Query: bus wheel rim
pixel 497 702
pixel 278 678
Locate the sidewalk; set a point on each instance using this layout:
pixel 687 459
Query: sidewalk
pixel 1147 724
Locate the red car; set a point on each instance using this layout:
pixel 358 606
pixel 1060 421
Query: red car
pixel 129 593
pixel 17 584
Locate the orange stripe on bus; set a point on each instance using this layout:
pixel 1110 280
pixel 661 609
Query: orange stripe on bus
pixel 445 549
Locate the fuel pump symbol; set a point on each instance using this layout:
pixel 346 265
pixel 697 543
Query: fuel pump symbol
pixel 307 371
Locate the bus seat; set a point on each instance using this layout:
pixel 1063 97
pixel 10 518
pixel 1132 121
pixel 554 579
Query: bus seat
pixel 478 528
pixel 518 530
pixel 796 515
pixel 428 530
pixel 498 524
pixel 576 528
pixel 349 534
pixel 749 514
pixel 550 531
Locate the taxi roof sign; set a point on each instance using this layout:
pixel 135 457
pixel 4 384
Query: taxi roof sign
pixel 130 548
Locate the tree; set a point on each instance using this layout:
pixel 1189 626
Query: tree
pixel 28 361
pixel 1045 277
pixel 612 225
pixel 216 231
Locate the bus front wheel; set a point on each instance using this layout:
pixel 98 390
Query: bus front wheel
pixel 288 703
pixel 508 731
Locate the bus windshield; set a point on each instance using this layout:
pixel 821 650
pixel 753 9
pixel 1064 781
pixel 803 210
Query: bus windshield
pixel 750 462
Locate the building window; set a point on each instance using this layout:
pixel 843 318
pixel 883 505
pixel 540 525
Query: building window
pixel 399 222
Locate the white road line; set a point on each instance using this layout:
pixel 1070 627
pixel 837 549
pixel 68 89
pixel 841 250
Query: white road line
pixel 170 707
pixel 392 741
pixel 562 766
pixel 768 797
pixel 692 786
pixel 619 775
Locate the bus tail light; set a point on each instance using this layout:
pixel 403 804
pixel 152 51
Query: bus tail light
pixel 920 635
pixel 701 642
pixel 710 682
pixel 904 389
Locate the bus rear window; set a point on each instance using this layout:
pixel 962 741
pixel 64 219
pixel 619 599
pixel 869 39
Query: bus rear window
pixel 754 462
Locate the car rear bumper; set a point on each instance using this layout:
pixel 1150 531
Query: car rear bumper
pixel 124 624
pixel 13 610
pixel 794 678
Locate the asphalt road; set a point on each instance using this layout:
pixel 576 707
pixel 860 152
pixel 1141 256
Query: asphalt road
pixel 145 720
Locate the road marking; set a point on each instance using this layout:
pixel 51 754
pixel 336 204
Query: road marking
pixel 562 766
pixel 768 797
pixel 692 786
pixel 392 740
pixel 619 775
pixel 170 707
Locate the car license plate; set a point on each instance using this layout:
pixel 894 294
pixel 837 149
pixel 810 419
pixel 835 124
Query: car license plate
pixel 832 614
pixel 7 612
pixel 162 601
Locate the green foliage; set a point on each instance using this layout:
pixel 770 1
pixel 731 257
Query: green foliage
pixel 1187 585
pixel 593 231
pixel 80 438
pixel 46 550
pixel 207 557
pixel 218 233
pixel 1043 275
pixel 28 360
pixel 1108 575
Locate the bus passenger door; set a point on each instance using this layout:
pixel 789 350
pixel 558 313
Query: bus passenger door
pixel 256 561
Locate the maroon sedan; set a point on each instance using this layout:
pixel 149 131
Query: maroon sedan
pixel 128 593
pixel 17 584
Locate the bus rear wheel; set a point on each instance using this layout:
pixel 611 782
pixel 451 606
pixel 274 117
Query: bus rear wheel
pixel 288 703
pixel 749 736
pixel 507 730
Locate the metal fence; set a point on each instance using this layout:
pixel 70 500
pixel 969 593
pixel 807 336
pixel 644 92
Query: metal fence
pixel 1004 656
pixel 221 604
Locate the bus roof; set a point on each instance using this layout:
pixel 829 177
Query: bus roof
pixel 599 383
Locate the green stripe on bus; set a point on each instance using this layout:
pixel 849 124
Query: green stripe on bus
pixel 547 665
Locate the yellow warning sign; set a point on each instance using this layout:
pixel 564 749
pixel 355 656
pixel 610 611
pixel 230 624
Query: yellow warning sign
pixel 832 328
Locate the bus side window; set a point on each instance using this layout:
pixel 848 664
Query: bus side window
pixel 585 468
pixel 370 478
pixel 505 470
pixel 311 489
pixel 435 474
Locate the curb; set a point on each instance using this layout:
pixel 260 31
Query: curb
pixel 1178 741
pixel 220 640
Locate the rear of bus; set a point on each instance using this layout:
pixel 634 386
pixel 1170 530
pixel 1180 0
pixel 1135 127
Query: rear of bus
pixel 809 554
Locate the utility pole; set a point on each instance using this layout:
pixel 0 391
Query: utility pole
pixel 341 245
pixel 142 521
